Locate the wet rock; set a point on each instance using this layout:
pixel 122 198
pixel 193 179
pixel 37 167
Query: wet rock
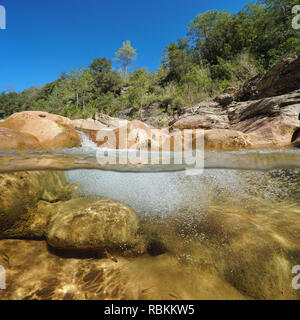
pixel 93 224
pixel 33 272
pixel 14 140
pixel 52 131
pixel 20 193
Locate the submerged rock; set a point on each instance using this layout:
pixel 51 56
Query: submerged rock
pixel 52 131
pixel 14 140
pixel 34 272
pixel 20 193
pixel 92 224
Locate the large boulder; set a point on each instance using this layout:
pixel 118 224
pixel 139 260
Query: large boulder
pixel 21 191
pixel 92 224
pixel 204 115
pixel 283 78
pixel 248 90
pixel 202 121
pixel 272 119
pixel 52 131
pixel 14 140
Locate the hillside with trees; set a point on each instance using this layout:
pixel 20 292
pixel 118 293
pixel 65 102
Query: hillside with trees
pixel 220 50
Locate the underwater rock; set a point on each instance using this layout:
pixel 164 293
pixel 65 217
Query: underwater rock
pixel 92 223
pixel 35 272
pixel 20 193
pixel 52 131
pixel 13 140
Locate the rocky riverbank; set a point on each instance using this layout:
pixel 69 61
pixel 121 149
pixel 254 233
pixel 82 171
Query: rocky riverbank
pixel 58 243
pixel 264 113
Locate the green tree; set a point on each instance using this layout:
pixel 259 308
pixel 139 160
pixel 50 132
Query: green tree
pixel 125 56
pixel 177 60
pixel 106 79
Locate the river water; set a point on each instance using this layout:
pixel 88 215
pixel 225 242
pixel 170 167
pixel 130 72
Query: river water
pixel 233 228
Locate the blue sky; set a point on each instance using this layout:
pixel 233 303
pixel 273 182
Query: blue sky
pixel 45 37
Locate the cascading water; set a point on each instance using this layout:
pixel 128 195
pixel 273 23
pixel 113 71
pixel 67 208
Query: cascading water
pixel 161 193
pixel 86 143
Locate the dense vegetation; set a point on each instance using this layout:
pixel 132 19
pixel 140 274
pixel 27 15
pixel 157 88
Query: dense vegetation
pixel 221 49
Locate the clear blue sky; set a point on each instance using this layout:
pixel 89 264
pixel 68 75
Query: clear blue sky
pixel 45 37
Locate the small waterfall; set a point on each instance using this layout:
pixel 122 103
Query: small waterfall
pixel 85 141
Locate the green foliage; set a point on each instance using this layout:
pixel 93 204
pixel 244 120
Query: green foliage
pixel 105 78
pixel 177 60
pixel 221 49
pixel 125 56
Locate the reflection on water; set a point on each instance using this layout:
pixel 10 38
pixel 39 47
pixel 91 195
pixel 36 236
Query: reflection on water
pixel 225 234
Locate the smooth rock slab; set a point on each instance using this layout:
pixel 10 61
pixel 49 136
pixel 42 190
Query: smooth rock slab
pixel 92 223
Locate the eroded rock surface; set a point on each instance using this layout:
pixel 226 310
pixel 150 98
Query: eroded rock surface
pixel 52 131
